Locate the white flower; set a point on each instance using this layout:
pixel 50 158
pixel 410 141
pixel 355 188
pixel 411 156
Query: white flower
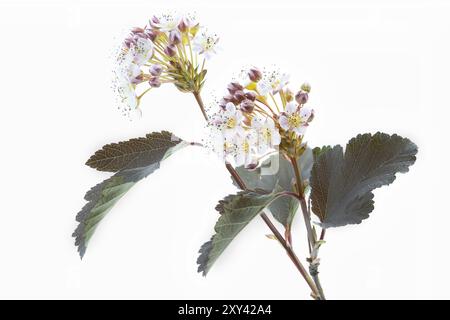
pixel 205 43
pixel 231 122
pixel 244 151
pixel 279 83
pixel 126 97
pixel 126 69
pixel 267 133
pixel 272 82
pixel 264 87
pixel 143 51
pixel 295 118
pixel 126 73
pixel 168 22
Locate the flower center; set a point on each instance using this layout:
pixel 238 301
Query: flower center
pixel 231 123
pixel 245 146
pixel 208 43
pixel 294 120
pixel 267 135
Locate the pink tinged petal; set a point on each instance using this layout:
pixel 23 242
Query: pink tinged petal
pixel 230 108
pixel 305 113
pixel 216 120
pixel 284 123
pixel 291 107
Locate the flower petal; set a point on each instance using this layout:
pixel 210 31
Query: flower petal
pixel 276 138
pixel 270 123
pixel 305 113
pixel 300 131
pixel 291 107
pixel 284 123
pixel 230 108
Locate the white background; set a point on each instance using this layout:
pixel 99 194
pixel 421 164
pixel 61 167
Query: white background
pixel 373 65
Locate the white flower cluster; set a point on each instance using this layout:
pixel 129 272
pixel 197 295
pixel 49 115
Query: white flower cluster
pixel 255 117
pixel 170 49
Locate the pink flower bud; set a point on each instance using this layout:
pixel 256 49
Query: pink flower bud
pixel 154 82
pixel 137 30
pixel 250 95
pixel 233 87
pixel 175 37
pixel 128 42
pixel 254 74
pixel 154 21
pixel 230 98
pixel 138 79
pixel 151 34
pixel 183 26
pixel 223 104
pixel 288 95
pixel 155 69
pixel 239 95
pixel 170 50
pixel 301 97
pixel 247 106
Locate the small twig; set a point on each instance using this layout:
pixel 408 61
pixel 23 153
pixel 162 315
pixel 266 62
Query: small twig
pixel 322 234
pixel 313 260
pixel 302 201
pixel 198 97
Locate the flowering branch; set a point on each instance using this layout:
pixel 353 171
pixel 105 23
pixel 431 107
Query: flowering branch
pixel 258 130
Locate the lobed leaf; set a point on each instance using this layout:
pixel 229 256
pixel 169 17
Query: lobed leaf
pixel 277 170
pixel 342 184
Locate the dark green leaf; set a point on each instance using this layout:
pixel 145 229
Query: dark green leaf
pixel 101 198
pixel 134 153
pixel 342 184
pixel 236 212
pixel 275 170
pixel 317 151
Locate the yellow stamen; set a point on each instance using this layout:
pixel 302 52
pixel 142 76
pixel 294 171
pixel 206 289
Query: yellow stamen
pixel 246 146
pixel 231 123
pixel 267 135
pixel 294 120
